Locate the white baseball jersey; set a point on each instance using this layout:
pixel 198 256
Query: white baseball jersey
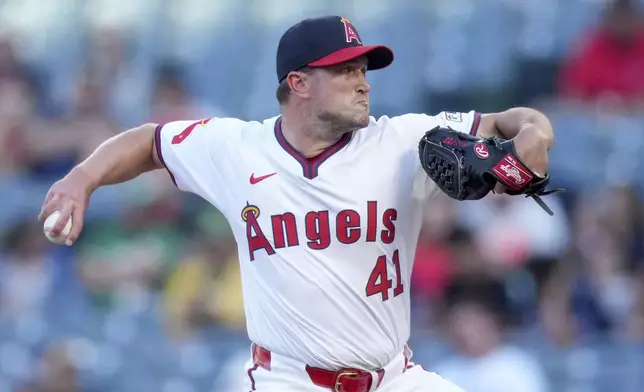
pixel 326 244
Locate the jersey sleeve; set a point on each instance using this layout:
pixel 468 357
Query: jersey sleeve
pixel 412 127
pixel 196 154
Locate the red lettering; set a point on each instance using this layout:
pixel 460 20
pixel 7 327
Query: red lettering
pixel 379 281
pixel 257 241
pixel 317 230
pixel 282 224
pixel 348 226
pixel 350 31
pixel 387 236
pixel 372 220
pixel 399 285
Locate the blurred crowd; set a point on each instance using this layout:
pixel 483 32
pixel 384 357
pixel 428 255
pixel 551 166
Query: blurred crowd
pixel 505 297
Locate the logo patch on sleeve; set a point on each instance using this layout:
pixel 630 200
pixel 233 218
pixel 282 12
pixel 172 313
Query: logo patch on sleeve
pixel 454 116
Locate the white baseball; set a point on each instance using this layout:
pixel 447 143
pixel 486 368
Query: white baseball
pixel 50 222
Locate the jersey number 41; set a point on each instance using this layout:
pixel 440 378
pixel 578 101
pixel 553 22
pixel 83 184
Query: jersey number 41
pixel 379 281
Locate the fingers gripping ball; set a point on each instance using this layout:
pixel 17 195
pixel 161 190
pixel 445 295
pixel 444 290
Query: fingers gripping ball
pixel 50 222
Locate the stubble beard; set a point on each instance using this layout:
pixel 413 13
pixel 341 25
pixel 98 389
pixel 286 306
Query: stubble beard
pixel 340 124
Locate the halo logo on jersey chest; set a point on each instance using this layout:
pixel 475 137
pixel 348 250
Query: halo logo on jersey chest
pixel 321 228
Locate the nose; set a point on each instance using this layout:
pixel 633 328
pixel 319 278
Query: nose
pixel 364 87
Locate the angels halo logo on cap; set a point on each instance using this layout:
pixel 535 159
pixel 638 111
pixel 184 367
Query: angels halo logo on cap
pixel 325 41
pixel 350 31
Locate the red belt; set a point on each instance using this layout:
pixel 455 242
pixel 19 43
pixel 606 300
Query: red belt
pixel 343 380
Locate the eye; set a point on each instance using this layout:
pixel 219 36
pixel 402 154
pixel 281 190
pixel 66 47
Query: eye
pixel 350 70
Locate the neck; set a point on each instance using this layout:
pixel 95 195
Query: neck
pixel 307 134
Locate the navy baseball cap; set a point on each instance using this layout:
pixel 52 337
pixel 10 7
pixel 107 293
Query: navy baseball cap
pixel 325 41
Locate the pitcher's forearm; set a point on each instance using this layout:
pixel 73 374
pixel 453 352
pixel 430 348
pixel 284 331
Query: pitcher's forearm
pixel 120 158
pixel 516 120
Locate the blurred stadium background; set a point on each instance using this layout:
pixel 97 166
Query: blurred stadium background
pixel 149 299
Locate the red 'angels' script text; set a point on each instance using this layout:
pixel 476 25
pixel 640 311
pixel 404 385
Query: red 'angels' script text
pixel 349 228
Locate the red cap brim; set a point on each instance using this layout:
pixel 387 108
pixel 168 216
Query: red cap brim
pixel 379 56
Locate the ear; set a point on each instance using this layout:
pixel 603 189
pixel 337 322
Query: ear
pixel 300 83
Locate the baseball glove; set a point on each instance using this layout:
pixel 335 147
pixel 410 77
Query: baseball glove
pixel 467 167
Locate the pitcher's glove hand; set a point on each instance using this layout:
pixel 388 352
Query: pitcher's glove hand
pixel 467 167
